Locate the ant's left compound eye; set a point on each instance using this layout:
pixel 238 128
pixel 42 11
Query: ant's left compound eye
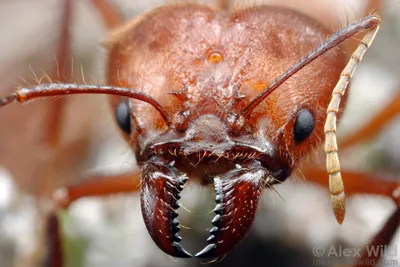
pixel 304 125
pixel 123 116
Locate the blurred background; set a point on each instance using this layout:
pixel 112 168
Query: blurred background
pixel 110 231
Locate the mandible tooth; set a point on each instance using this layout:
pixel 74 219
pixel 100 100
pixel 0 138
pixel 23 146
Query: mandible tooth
pixel 211 239
pixel 174 214
pixel 214 230
pixel 180 252
pixel 216 220
pixel 177 238
pixel 218 209
pixel 207 252
pixel 176 205
pixel 176 229
pixel 175 222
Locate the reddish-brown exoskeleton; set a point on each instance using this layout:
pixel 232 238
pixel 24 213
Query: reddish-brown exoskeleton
pixel 232 99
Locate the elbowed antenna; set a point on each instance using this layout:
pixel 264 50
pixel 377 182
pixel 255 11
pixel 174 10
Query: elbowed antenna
pixel 336 186
pixel 332 160
pixel 60 89
pixel 338 37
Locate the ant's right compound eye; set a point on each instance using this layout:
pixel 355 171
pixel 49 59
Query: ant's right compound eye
pixel 304 125
pixel 123 117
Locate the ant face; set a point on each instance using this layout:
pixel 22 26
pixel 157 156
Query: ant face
pixel 232 98
pixel 222 129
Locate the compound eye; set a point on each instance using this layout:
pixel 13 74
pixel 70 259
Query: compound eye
pixel 123 117
pixel 303 126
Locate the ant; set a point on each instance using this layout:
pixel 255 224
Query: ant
pixel 219 97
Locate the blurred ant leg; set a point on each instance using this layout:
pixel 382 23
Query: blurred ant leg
pixel 375 125
pixel 59 73
pixel 53 121
pixel 382 238
pixel 387 113
pixel 95 186
pixel 357 183
pixel 110 13
pixel 361 183
pixel 54 253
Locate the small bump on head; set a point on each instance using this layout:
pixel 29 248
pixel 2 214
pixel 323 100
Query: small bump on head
pixel 214 57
